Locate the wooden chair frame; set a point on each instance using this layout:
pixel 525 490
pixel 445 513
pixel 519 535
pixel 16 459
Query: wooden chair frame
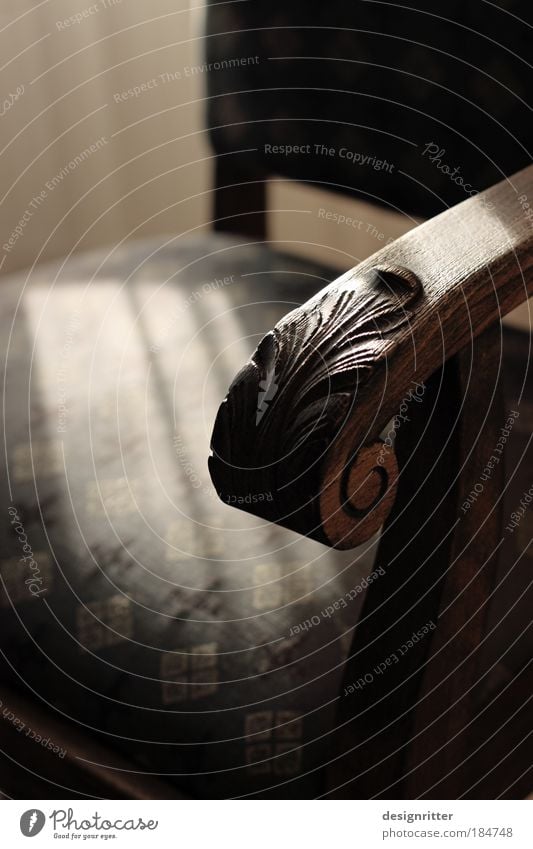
pixel 420 733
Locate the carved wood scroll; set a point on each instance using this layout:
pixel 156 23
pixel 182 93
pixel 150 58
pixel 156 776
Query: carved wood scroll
pixel 297 439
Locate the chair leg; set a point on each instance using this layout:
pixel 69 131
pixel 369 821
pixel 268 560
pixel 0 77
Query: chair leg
pixel 406 701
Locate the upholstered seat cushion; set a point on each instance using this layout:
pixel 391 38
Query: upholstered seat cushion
pixel 206 644
pixel 146 610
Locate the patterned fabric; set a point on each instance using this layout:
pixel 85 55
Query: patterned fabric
pixel 412 106
pixel 133 601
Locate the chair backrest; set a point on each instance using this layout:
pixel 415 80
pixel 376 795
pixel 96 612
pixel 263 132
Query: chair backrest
pixel 416 108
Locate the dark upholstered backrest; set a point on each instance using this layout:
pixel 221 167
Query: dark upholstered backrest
pixel 415 108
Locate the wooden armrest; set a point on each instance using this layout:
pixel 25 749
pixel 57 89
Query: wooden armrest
pixel 296 441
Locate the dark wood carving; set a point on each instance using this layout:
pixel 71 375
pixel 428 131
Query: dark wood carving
pixel 297 439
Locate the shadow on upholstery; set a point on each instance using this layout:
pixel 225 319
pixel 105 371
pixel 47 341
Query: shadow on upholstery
pixel 147 612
